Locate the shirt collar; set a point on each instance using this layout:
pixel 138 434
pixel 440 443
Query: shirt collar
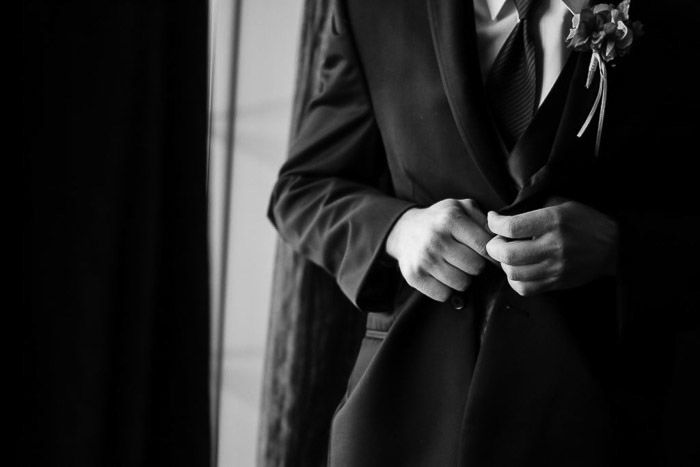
pixel 495 6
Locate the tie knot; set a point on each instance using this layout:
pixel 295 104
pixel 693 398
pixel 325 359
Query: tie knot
pixel 523 7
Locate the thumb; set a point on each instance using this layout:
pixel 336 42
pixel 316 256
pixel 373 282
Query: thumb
pixel 495 221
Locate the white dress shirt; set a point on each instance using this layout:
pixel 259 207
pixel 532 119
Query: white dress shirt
pixel 495 20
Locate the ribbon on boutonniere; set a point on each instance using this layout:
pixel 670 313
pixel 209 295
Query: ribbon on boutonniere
pixel 607 32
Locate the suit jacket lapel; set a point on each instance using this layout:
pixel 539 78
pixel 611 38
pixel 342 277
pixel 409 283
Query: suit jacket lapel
pixel 578 104
pixel 454 39
pixel 531 152
pixel 553 134
pixel 567 157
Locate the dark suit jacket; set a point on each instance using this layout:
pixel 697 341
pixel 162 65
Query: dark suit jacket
pixel 400 120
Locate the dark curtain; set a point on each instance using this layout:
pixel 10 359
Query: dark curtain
pixel 114 247
pixel 314 330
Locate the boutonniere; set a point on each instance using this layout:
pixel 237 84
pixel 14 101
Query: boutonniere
pixel 606 31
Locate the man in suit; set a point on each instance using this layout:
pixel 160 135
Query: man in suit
pixel 511 274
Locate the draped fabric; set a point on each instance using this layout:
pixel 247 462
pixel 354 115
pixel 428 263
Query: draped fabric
pixel 115 260
pixel 314 330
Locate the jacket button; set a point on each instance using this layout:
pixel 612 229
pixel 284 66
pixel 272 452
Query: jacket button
pixel 457 302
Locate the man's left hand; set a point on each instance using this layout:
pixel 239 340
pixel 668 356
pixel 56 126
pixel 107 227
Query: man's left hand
pixel 563 245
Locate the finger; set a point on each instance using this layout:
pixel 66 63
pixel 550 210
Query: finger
pixel 467 232
pixel 431 287
pixel 519 252
pixel 464 258
pixel 526 225
pixel 529 288
pixel 473 210
pixel 450 276
pixel 530 272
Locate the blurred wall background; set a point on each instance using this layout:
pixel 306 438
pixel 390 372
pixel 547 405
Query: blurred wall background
pixel 254 53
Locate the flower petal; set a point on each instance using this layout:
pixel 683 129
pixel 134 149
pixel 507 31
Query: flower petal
pixel 576 20
pixel 601 7
pixel 624 8
pixel 614 15
pixel 587 17
pixel 622 30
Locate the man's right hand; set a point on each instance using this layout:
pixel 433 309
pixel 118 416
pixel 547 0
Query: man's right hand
pixel 440 248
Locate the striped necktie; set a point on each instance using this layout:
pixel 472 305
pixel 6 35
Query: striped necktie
pixel 511 85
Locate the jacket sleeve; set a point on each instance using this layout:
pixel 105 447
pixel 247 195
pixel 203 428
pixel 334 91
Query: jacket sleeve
pixel 332 201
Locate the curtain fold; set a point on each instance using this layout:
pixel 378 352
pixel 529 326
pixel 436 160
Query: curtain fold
pixel 115 245
pixel 314 330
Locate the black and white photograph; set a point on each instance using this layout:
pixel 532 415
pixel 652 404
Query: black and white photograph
pixel 361 233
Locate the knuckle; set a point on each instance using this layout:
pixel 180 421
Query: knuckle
pixel 420 272
pixel 470 204
pixel 433 242
pixel 427 258
pixel 437 247
pixel 454 210
pixel 444 220
pixel 433 238
pixel 448 206
pixel 557 219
